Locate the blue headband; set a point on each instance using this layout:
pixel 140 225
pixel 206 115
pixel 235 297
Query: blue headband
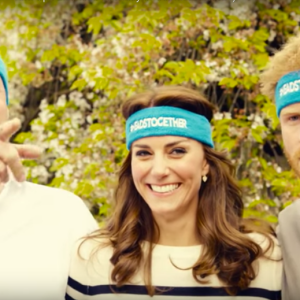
pixel 287 91
pixel 167 120
pixel 3 75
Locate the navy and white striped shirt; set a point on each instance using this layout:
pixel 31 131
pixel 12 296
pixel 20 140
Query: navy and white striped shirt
pixel 90 279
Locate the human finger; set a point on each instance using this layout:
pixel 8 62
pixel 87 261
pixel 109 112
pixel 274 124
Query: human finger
pixel 28 151
pixel 3 173
pixel 10 157
pixel 7 129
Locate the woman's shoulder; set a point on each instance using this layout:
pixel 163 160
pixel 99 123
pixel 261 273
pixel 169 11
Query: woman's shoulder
pixel 90 265
pixel 261 238
pixel 269 244
pixel 268 267
pixel 89 257
pixel 87 247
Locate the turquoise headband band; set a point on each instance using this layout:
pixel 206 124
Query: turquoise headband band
pixel 167 120
pixel 3 75
pixel 287 91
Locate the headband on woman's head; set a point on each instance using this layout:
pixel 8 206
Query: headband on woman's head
pixel 3 76
pixel 287 90
pixel 167 120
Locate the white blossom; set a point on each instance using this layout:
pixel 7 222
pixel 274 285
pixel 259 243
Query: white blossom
pixel 218 116
pixel 161 61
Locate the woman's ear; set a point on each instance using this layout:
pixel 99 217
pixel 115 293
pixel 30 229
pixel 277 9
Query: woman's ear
pixel 205 167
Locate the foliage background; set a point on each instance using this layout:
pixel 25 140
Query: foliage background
pixel 72 63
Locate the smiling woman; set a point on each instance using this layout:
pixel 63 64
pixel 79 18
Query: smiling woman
pixel 177 227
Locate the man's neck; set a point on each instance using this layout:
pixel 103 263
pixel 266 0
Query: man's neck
pixel 1 187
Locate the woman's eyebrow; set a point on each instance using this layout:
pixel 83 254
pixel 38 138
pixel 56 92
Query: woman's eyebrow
pixel 176 143
pixel 167 145
pixel 140 146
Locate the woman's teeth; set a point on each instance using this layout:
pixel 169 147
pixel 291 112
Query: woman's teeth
pixel 164 188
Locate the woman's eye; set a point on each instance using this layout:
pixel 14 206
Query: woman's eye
pixel 178 151
pixel 142 153
pixel 294 118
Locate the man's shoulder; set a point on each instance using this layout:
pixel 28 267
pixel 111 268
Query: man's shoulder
pixel 53 199
pixel 56 210
pixel 53 193
pixel 290 212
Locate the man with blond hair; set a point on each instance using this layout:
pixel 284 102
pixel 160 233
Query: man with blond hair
pixel 281 81
pixel 38 224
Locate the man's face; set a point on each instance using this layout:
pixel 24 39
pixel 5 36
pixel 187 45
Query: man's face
pixel 290 127
pixel 3 106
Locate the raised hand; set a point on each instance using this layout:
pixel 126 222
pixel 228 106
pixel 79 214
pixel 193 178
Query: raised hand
pixel 11 155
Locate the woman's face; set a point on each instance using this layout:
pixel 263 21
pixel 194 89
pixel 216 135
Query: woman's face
pixel 167 172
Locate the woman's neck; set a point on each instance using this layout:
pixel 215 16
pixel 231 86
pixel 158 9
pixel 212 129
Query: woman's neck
pixel 178 232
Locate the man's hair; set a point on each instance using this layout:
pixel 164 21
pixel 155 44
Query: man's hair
pixel 283 62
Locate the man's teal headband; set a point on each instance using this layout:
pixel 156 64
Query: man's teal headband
pixel 167 120
pixel 287 91
pixel 3 75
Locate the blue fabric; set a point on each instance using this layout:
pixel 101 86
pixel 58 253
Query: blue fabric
pixel 168 120
pixel 3 75
pixel 287 91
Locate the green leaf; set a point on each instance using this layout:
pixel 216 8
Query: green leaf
pixel 263 163
pixel 79 84
pixel 286 204
pixel 23 137
pixel 229 144
pixel 271 219
pixel 57 181
pixel 228 82
pixel 261 59
pixel 172 65
pixel 104 208
pixel 84 189
pixel 256 135
pixel 95 25
pixel 260 35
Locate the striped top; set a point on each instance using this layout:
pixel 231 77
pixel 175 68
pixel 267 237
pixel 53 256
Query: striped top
pixel 89 279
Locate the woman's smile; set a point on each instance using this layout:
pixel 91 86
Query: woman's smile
pixel 164 190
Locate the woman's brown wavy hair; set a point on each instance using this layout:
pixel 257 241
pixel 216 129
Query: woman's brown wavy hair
pixel 228 251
